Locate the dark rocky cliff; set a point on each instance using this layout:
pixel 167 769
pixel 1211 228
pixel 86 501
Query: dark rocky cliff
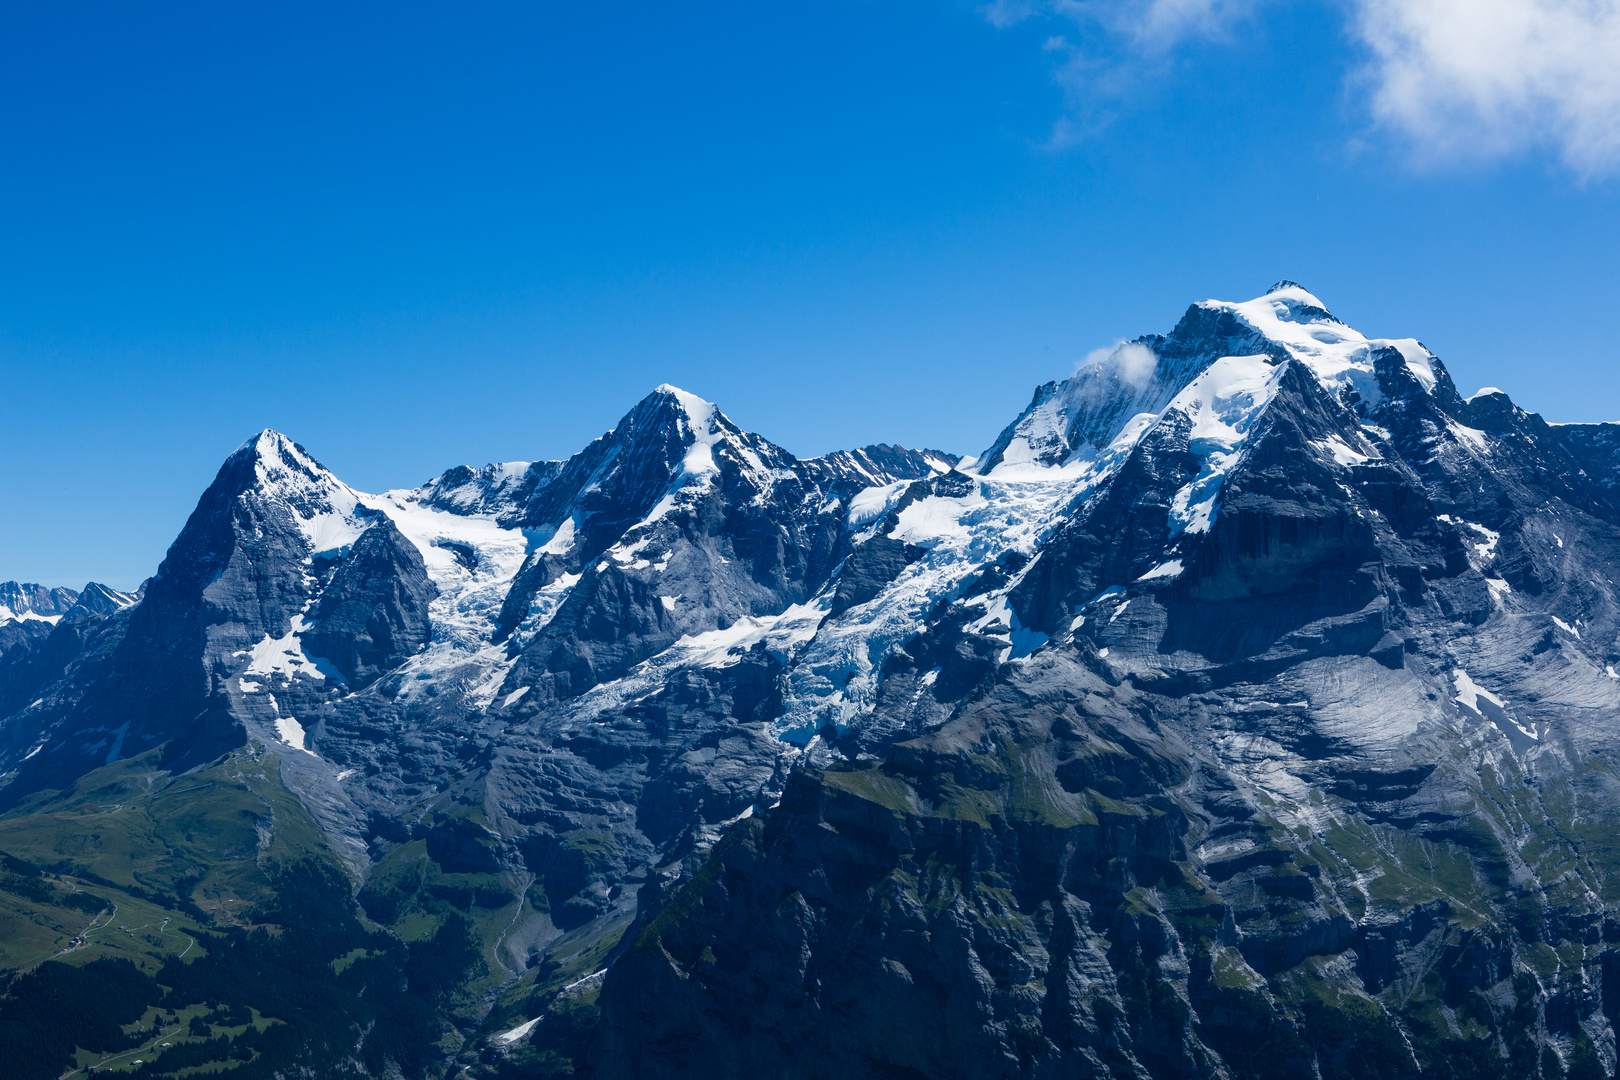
pixel 1248 710
pixel 1324 789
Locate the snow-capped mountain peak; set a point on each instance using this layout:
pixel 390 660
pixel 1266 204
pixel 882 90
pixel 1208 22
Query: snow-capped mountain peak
pixel 325 510
pixel 1338 355
pixel 703 425
pixel 1114 387
pixel 99 599
pixel 1299 301
pixel 21 601
pixel 695 406
pixel 494 488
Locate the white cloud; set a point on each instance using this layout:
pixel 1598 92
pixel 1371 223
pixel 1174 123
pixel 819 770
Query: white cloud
pixel 1109 48
pixel 1162 23
pixel 1458 80
pixel 1131 362
pixel 1486 78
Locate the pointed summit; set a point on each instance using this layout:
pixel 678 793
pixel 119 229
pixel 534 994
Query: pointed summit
pixel 702 420
pixel 268 440
pixel 1112 390
pixel 278 461
pixel 271 469
pixel 100 600
pixel 691 413
pixel 246 565
pixel 1287 285
pixel 274 453
pixel 668 440
pixel 1299 326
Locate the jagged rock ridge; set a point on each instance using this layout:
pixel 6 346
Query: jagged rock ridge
pixel 1246 709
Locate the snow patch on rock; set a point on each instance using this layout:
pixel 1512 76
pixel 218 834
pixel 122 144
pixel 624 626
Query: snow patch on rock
pixel 1223 405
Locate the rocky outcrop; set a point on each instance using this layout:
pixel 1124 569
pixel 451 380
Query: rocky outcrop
pixel 236 576
pixel 19 600
pixel 36 652
pixel 740 528
pixel 374 611
pixel 1055 883
pixel 952 914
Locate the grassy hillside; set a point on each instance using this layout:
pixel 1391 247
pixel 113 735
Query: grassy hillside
pixel 162 925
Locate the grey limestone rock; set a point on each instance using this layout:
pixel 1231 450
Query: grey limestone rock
pixel 1248 709
pixel 374 611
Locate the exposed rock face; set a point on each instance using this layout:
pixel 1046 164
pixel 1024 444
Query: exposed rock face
pixel 36 651
pixel 1247 710
pixel 1314 784
pixel 953 914
pixel 374 611
pixel 1056 884
pixel 19 600
pixel 741 528
pixel 1594 447
pixel 157 673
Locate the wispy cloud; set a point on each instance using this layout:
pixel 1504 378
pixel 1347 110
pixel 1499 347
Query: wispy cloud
pixel 1452 80
pixel 1469 79
pixel 1130 362
pixel 1106 50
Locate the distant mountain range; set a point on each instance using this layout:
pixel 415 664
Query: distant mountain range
pixel 1250 708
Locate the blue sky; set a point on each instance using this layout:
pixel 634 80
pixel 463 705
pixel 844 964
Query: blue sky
pixel 412 236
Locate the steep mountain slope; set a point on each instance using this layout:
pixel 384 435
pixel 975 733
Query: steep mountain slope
pixel 41 632
pixel 1247 709
pixel 1306 768
pixel 353 648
